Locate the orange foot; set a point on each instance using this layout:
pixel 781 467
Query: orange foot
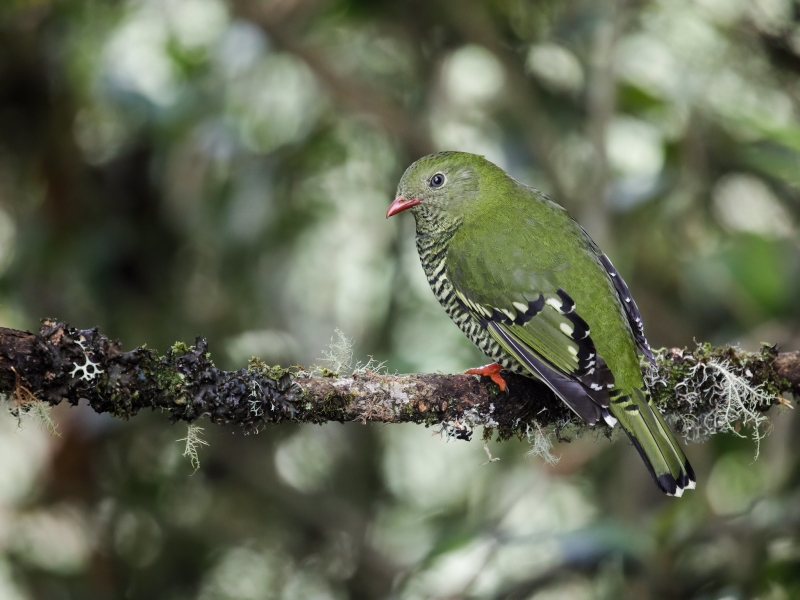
pixel 491 371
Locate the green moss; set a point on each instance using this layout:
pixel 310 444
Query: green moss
pixel 168 381
pixel 432 417
pixel 331 408
pixel 764 371
pixel 180 348
pixel 259 367
pixel 277 372
pixel 256 364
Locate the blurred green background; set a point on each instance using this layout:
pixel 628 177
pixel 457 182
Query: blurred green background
pixel 170 168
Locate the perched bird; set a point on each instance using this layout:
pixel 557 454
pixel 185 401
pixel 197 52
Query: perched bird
pixel 530 288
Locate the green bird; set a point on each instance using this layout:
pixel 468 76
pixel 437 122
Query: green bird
pixel 525 282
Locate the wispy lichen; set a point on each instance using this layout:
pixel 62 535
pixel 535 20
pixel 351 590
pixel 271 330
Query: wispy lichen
pixel 39 413
pixel 715 395
pixel 489 454
pixel 193 443
pixel 338 358
pixel 541 444
pixel 371 365
pixel 339 355
pixel 23 404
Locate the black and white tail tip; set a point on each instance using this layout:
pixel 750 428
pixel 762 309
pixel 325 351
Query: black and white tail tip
pixel 675 487
pixel 668 483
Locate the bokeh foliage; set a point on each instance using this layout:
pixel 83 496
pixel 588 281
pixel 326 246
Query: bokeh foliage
pixel 179 167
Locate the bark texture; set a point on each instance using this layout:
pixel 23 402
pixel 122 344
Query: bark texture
pixel 61 364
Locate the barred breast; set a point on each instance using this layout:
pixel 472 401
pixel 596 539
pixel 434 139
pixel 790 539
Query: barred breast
pixel 433 257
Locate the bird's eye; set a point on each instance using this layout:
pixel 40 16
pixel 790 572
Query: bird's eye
pixel 437 180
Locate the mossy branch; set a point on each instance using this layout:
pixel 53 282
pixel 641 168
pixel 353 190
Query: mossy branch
pixel 701 391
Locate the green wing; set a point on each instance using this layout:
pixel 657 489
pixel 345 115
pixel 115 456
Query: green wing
pixel 553 341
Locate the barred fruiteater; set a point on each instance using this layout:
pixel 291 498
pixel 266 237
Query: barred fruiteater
pixel 532 290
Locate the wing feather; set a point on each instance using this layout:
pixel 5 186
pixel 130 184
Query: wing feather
pixel 631 310
pixel 571 392
pixel 551 330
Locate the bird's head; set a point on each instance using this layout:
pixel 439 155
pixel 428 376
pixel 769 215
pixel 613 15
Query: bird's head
pixel 443 186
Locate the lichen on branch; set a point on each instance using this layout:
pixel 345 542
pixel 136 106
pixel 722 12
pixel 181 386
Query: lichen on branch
pixel 701 391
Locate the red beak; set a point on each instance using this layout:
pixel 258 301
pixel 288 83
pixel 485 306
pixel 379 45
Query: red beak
pixel 399 205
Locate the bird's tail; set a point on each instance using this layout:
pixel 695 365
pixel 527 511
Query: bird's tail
pixel 659 449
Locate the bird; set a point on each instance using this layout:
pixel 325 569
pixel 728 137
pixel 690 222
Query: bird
pixel 528 286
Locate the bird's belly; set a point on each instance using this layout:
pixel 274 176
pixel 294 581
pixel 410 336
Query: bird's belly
pixel 471 327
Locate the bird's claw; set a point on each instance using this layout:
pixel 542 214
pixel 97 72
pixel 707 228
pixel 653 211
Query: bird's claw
pixel 492 371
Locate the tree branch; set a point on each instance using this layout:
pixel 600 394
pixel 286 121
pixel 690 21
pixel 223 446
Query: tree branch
pixel 697 390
